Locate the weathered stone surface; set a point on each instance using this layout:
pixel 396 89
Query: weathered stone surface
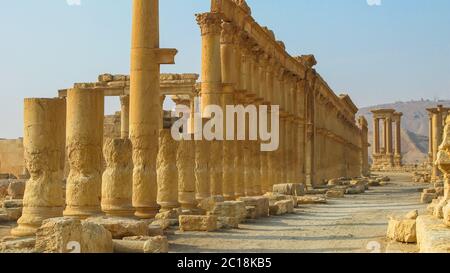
pixel 427 198
pixel 16 189
pixel 251 212
pixel 374 183
pixel 22 245
pixel 446 212
pixel 335 182
pixel 142 244
pixel 259 202
pixel 227 223
pixel 121 227
pixel 155 230
pixel 412 215
pixel 4 184
pixel 432 235
pixel 117 179
pixel 235 209
pixel 208 204
pixel 198 223
pixel 335 193
pixel 317 191
pixel 282 207
pixel 63 235
pixel 355 190
pixel 289 189
pixel 307 200
pixel 403 231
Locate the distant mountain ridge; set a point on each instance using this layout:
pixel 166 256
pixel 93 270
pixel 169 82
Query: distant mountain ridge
pixel 415 124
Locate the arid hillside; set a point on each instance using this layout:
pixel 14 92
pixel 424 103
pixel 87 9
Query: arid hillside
pixel 414 126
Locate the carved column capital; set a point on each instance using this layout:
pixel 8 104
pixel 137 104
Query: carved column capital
pixel 210 23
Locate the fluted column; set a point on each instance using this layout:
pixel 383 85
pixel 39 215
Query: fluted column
pixel 85 114
pixel 145 108
pixel 202 176
pixel 44 141
pixel 437 140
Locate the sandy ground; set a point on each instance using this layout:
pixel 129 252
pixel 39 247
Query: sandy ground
pixel 353 224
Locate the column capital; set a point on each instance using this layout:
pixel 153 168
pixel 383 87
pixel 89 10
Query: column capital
pixel 210 23
pixel 229 33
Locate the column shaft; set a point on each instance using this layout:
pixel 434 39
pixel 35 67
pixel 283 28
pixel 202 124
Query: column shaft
pixel 85 114
pixel 44 141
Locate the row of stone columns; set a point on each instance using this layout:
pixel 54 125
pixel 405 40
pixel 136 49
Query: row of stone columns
pixel 389 155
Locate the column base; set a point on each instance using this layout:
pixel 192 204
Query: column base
pixel 82 212
pixel 146 213
pixel 32 219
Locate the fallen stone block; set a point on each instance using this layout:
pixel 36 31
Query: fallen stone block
pixel 431 207
pixel 66 235
pixel 4 184
pixel 427 198
pixel 310 200
pixel 251 212
pixel 155 230
pixel 432 235
pixel 335 193
pixel 439 208
pixel 335 182
pixel 374 183
pixel 235 209
pixel 198 223
pixel 141 244
pixel 440 191
pixel 227 223
pixel 289 189
pixel 4 217
pixel 316 191
pixel 13 209
pixel 446 215
pixel 433 191
pixel 282 207
pixel 355 190
pixel 403 231
pixel 121 227
pixel 208 204
pixel 18 245
pixel 16 189
pixel 412 215
pixel 261 204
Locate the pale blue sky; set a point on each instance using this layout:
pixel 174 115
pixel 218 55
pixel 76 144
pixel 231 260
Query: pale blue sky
pixel 377 54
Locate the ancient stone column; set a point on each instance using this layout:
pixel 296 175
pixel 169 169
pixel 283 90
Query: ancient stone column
pixel 364 146
pixel 167 172
pixel 212 91
pixel 117 184
pixel 44 141
pixel 185 161
pixel 229 80
pixel 437 140
pixel 145 108
pixel 376 136
pixel 385 135
pixel 202 160
pixel 398 139
pixel 85 114
pixel 125 116
pixel 430 138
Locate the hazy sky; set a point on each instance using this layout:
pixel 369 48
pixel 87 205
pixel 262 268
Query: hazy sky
pixel 389 51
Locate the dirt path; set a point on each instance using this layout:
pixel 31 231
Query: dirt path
pixel 353 224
